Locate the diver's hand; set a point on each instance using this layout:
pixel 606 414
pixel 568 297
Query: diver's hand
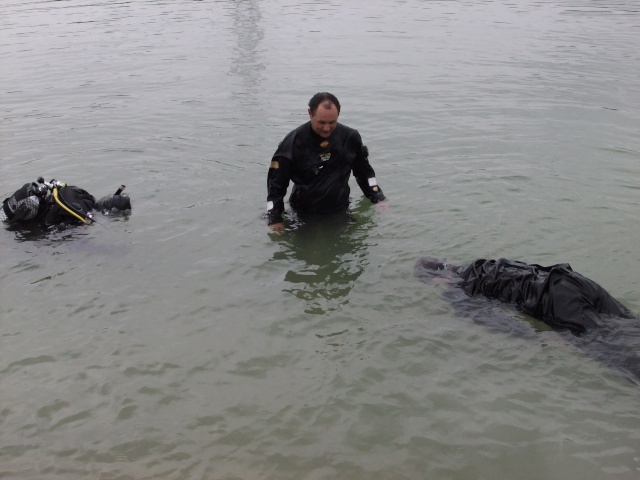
pixel 277 227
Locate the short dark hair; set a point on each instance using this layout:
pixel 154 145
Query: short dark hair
pixel 321 97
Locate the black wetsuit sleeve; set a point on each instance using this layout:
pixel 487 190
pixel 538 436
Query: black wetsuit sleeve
pixel 278 180
pixel 365 176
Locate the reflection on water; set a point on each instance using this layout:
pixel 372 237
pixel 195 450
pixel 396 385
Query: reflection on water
pixel 46 234
pixel 328 253
pixel 246 61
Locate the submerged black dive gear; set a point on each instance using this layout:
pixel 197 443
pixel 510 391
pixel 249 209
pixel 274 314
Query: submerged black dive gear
pixel 27 203
pixel 320 169
pixel 69 200
pixel 55 202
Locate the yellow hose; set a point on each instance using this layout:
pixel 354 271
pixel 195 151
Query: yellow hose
pixel 69 211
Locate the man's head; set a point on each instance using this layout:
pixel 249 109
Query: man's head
pixel 431 263
pixel 430 269
pixel 324 109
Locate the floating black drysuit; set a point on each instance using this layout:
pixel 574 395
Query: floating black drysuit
pixel 556 295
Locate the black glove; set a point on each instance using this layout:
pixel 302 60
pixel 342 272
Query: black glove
pixel 377 195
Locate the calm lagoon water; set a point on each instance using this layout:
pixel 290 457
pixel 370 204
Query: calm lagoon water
pixel 188 342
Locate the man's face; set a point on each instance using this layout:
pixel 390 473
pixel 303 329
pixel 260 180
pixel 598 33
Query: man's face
pixel 325 120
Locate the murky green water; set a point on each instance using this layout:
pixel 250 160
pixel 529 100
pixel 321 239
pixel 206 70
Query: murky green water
pixel 188 342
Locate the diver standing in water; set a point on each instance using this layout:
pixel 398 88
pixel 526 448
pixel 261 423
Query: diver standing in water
pixel 318 157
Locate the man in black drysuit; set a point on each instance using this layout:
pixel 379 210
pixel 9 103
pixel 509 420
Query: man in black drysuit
pixel 56 203
pixel 556 295
pixel 319 157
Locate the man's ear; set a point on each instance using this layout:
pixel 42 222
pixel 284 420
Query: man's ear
pixel 309 111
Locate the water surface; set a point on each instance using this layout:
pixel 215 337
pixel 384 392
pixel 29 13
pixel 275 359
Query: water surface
pixel 187 341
